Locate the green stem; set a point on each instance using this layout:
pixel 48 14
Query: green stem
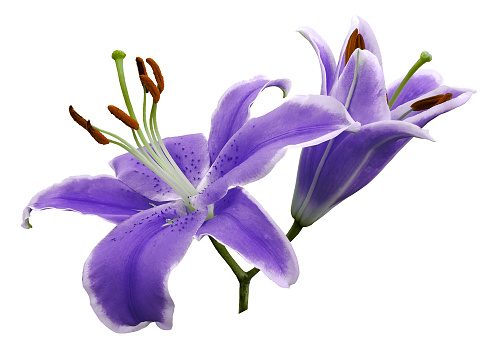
pixel 243 296
pixel 243 277
pixel 221 249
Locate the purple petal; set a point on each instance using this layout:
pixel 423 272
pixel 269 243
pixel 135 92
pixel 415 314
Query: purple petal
pixel 254 150
pixel 188 151
pixel 369 102
pixel 104 196
pixel 325 56
pixel 349 165
pixel 421 118
pixel 423 81
pixel 243 225
pixel 369 42
pixel 127 273
pixel 233 110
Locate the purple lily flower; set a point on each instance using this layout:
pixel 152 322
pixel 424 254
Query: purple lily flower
pixel 332 171
pixel 126 275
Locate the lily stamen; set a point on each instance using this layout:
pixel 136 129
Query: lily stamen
pixel 95 133
pixel 151 150
pixel 151 87
pixel 123 117
pixel 142 70
pixel 157 74
pixel 428 103
pixel 355 41
pixel 77 117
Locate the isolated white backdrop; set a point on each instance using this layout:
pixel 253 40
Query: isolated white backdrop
pixel 409 261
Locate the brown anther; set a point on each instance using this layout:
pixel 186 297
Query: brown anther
pixel 151 87
pixel 388 102
pixel 99 137
pixel 351 45
pixel 427 103
pixel 360 42
pixel 76 117
pixel 158 75
pixel 142 70
pixel 124 117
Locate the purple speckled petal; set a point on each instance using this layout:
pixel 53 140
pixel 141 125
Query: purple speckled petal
pixel 422 82
pixel 254 150
pixel 188 151
pixel 421 118
pixel 370 42
pixel 369 102
pixel 127 273
pixel 242 224
pixel 326 59
pixel 104 196
pixel 350 164
pixel 233 110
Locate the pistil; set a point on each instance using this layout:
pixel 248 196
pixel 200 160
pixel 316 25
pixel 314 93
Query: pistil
pixel 424 58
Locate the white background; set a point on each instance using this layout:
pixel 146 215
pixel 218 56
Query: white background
pixel 409 261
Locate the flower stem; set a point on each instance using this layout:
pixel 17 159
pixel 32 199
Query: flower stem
pixel 243 277
pixel 243 296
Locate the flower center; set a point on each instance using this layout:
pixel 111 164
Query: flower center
pixel 151 149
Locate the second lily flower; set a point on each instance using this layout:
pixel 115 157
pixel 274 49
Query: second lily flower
pixel 332 171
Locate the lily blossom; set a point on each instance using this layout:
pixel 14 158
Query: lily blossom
pixel 332 171
pixel 186 190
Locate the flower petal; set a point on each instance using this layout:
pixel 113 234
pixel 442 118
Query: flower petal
pixel 126 275
pixel 421 118
pixel 104 196
pixel 325 56
pixel 243 225
pixel 369 102
pixel 233 110
pixel 188 151
pixel 254 150
pixel 423 81
pixel 369 41
pixel 350 164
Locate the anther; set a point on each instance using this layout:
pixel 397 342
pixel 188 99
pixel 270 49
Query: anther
pixel 157 73
pixel 123 117
pixel 355 41
pixel 151 87
pixel 95 133
pixel 76 117
pixel 427 103
pixel 142 70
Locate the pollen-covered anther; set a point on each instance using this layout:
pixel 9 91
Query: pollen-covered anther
pixel 95 133
pixel 355 41
pixel 151 87
pixel 427 103
pixel 142 70
pixel 157 73
pixel 77 118
pixel 123 117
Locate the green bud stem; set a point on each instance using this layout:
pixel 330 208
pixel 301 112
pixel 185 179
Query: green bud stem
pixel 424 58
